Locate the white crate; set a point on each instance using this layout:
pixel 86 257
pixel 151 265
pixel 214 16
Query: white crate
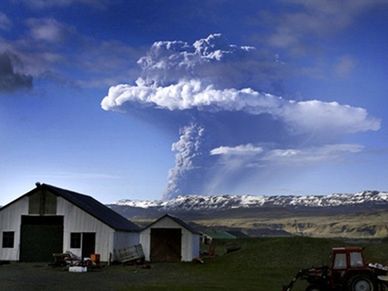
pixel 78 269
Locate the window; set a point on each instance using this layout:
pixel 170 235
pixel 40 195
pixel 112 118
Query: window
pixel 340 261
pixel 75 240
pixel 8 238
pixel 356 259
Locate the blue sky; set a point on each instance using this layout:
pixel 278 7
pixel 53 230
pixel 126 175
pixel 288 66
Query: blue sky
pixel 150 99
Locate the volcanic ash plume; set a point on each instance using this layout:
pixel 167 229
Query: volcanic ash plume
pixel 187 156
pixel 252 133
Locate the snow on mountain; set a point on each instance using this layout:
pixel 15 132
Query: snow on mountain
pixel 200 202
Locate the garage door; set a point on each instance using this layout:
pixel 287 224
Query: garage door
pixel 41 236
pixel 166 245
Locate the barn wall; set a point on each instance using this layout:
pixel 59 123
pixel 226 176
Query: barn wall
pixel 77 220
pixel 187 239
pixel 186 245
pixel 145 241
pixel 195 246
pixel 10 220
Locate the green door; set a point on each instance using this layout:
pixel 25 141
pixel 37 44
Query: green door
pixel 41 236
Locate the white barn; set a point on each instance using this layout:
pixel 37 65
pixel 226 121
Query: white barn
pixel 170 239
pixel 49 220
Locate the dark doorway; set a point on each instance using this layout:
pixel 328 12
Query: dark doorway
pixel 88 244
pixel 41 236
pixel 166 244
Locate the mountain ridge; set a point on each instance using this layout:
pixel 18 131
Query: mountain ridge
pixel 222 202
pixel 358 215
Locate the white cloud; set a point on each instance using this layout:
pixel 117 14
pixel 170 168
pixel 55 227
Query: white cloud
pixel 275 160
pixel 240 150
pixel 302 116
pixel 48 29
pixel 312 154
pixel 344 66
pixel 249 155
pixel 5 22
pixel 189 94
pixel 43 4
pixel 330 117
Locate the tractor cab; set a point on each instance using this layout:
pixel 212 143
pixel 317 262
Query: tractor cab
pixel 347 258
pixel 346 262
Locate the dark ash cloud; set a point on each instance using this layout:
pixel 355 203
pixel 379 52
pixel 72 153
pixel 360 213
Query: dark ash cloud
pixel 10 80
pixel 188 156
pixel 309 20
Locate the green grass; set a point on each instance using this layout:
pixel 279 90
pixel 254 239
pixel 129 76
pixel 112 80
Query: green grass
pixel 261 264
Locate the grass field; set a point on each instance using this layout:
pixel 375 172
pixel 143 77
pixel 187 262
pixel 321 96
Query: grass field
pixel 261 264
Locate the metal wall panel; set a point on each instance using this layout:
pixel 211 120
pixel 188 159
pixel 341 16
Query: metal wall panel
pixel 124 239
pixel 77 220
pixel 10 220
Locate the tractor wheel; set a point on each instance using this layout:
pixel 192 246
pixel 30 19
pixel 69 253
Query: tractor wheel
pixel 313 288
pixel 361 283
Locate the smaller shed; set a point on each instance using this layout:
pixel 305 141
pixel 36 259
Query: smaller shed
pixel 170 239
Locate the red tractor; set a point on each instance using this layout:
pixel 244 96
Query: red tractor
pixel 347 272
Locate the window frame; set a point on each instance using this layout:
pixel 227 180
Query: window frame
pixel 75 242
pixel 8 240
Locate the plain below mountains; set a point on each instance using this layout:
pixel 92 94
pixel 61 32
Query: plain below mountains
pixel 359 215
